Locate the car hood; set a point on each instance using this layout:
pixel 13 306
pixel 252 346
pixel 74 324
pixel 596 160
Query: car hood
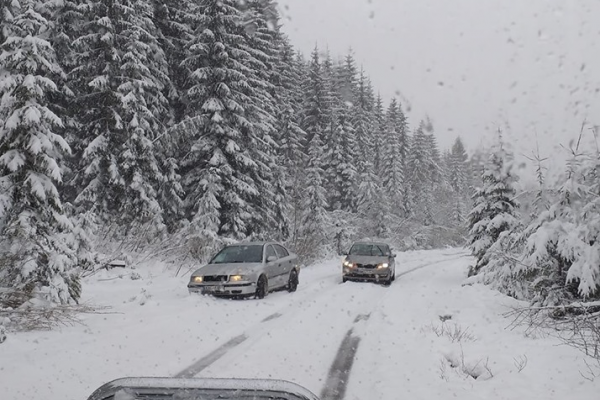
pixel 367 259
pixel 228 269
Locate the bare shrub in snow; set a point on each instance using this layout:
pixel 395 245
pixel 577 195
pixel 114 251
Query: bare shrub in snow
pixel 36 315
pixel 592 371
pixel 576 324
pixel 521 362
pixel 479 369
pixel 455 332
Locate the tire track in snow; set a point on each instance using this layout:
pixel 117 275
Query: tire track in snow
pixel 210 358
pixel 418 267
pixel 257 329
pixel 340 369
pixel 339 372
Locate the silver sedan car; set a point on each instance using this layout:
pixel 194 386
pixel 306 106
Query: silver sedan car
pixel 247 269
pixel 369 261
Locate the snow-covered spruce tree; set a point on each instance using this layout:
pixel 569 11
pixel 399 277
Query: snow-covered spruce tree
pixel 289 97
pixel 174 23
pixel 291 137
pixel 341 158
pixel 314 216
pixel 420 168
pixel 363 125
pixel 345 81
pixel 494 208
pixel 264 45
pixel 560 247
pixel 458 179
pixel 8 10
pixel 226 171
pixel 393 159
pixel 316 109
pixel 379 136
pixel 37 246
pixel 119 83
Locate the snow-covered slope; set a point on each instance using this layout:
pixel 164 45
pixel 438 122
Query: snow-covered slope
pixel 155 328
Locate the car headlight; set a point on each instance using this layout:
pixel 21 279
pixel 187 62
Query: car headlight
pixel 236 278
pixel 383 265
pixel 197 279
pixel 348 264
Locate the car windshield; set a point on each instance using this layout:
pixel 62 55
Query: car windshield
pixel 239 254
pixel 363 249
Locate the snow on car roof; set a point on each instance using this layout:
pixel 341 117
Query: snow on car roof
pixel 372 243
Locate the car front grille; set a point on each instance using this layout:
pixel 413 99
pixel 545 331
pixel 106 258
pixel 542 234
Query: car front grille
pixel 215 278
pixel 367 266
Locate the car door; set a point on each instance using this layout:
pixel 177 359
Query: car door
pixel 285 260
pixel 273 267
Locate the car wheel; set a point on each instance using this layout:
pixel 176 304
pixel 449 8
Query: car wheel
pixel 293 281
pixel 389 280
pixel 344 279
pixel 394 276
pixel 262 287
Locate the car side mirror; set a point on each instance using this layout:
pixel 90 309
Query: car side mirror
pixel 271 258
pixel 393 255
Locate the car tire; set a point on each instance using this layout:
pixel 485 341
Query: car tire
pixel 389 280
pixel 394 276
pixel 262 287
pixel 344 279
pixel 293 281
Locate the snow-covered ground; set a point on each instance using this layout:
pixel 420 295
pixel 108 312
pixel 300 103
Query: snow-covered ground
pixel 155 328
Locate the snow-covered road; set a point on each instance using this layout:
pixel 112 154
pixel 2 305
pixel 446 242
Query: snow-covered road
pixel 392 337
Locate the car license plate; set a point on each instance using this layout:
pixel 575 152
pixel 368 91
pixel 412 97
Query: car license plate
pixel 213 289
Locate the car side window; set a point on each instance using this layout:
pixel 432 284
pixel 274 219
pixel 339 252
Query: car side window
pixel 281 251
pixel 270 252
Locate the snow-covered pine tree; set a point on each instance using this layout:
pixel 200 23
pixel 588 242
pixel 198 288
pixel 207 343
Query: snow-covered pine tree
pixel 8 10
pixel 560 247
pixel 458 179
pixel 342 163
pixel 37 245
pixel 264 46
pixel 584 272
pixel 314 216
pixel 420 177
pixel 346 85
pixel 289 96
pixel 363 124
pixel 119 82
pixel 393 173
pixel 226 172
pixel 291 137
pixel 316 109
pixel 175 23
pixel 494 210
pixel 379 136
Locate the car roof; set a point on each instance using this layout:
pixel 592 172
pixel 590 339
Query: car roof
pixel 372 243
pixel 110 388
pixel 257 243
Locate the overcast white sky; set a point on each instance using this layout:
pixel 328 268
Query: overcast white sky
pixel 472 65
